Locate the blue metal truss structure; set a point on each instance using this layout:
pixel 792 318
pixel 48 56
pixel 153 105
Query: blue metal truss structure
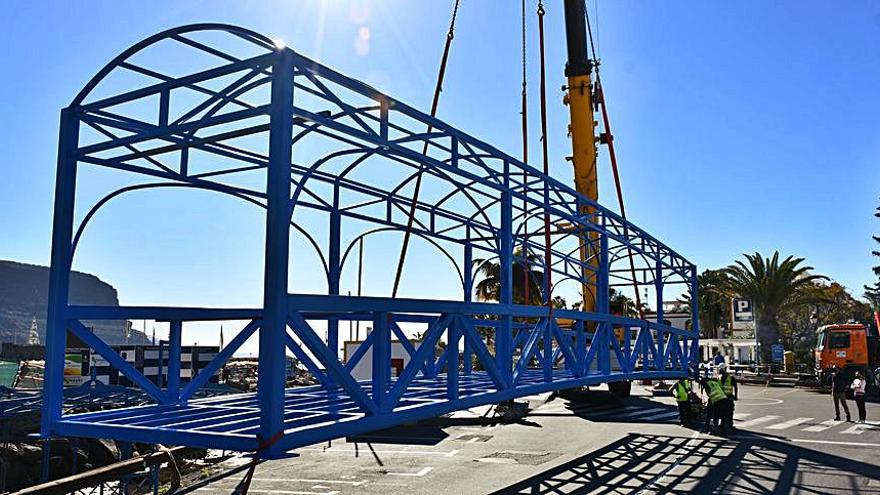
pixel 271 127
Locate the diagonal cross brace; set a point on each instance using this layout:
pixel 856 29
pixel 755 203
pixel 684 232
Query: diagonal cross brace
pixel 331 363
pixel 219 360
pixel 305 359
pixel 479 348
pixel 107 352
pixel 418 359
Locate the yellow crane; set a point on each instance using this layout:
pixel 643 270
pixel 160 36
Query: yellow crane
pixel 582 129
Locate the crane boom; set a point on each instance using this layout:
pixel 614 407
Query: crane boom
pixel 582 129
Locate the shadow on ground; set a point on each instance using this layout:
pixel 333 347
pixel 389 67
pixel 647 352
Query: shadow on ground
pixel 581 403
pixel 670 464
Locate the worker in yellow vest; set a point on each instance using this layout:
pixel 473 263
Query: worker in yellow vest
pixel 717 403
pixel 731 390
pixel 682 392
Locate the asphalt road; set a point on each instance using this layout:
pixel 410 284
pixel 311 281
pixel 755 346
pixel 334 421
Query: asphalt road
pixel 787 442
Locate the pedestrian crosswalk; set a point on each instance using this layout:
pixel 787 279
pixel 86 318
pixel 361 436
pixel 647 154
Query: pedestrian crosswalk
pixel 824 425
pixel 771 422
pixel 663 413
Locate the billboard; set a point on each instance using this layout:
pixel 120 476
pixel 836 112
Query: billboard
pixel 743 314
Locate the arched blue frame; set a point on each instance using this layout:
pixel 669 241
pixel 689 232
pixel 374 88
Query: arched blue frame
pixel 258 108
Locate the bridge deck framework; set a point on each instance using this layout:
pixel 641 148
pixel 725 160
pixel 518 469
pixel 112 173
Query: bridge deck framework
pixel 271 127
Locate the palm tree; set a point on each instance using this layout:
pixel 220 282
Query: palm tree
pixel 773 287
pixel 489 286
pixel 873 293
pixel 714 300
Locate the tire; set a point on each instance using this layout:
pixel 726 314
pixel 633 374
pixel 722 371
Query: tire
pixel 620 389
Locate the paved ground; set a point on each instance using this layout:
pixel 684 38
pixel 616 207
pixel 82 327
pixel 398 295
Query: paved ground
pixel 592 443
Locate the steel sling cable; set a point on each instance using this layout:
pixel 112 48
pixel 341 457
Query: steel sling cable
pixel 548 283
pixel 412 211
pixel 525 158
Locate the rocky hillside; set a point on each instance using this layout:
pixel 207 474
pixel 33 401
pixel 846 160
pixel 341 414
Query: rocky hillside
pixel 24 292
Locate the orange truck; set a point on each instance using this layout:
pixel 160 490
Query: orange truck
pixel 849 347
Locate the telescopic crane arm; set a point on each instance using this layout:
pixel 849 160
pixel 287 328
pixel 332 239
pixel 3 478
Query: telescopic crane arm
pixel 584 143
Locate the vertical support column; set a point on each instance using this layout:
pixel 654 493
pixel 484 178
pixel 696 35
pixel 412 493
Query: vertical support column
pixel 661 335
pixel 695 316
pixel 603 305
pixel 468 295
pixel 334 271
pixel 581 347
pixel 174 345
pixel 381 360
pixel 454 333
pixel 547 361
pixel 59 271
pixel 270 387
pixel 159 381
pixel 503 339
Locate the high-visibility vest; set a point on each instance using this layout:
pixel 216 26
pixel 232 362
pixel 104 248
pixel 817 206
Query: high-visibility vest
pixel 716 393
pixel 682 387
pixel 727 385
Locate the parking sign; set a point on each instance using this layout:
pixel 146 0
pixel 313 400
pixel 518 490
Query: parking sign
pixel 743 315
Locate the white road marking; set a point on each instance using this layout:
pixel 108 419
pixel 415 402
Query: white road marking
pixel 824 425
pixel 602 409
pixel 422 472
pixel 272 492
pixel 757 421
pixel 309 480
pixel 450 453
pixel 788 424
pixel 830 442
pixel 758 401
pixel 741 416
pixel 663 416
pixel 639 413
pixel 859 428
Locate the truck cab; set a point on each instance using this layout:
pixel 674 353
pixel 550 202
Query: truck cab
pixel 848 347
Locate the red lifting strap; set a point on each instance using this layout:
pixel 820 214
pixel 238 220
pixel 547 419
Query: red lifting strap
pixel 245 484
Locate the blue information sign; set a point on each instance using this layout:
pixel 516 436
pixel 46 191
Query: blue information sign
pixel 777 351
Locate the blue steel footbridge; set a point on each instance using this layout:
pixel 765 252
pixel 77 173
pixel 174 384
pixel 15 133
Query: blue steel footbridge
pixel 263 124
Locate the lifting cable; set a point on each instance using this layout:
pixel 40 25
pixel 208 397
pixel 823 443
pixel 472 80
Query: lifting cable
pixel 608 139
pixel 548 283
pixel 525 158
pixel 412 210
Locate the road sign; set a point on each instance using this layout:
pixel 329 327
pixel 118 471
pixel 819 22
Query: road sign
pixel 777 352
pixel 743 315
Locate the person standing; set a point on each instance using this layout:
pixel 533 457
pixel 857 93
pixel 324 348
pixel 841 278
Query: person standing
pixel 682 392
pixel 838 393
pixel 731 390
pixel 719 359
pixel 716 403
pixel 858 388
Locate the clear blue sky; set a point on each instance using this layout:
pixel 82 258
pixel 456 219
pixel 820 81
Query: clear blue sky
pixel 740 126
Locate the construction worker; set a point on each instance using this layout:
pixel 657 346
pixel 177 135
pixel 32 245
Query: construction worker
pixel 731 390
pixel 682 392
pixel 717 402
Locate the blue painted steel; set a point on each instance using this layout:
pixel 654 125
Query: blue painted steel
pixel 481 200
pixel 175 336
pixel 272 343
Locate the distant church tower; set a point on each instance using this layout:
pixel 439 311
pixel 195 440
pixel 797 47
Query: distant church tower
pixel 33 334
